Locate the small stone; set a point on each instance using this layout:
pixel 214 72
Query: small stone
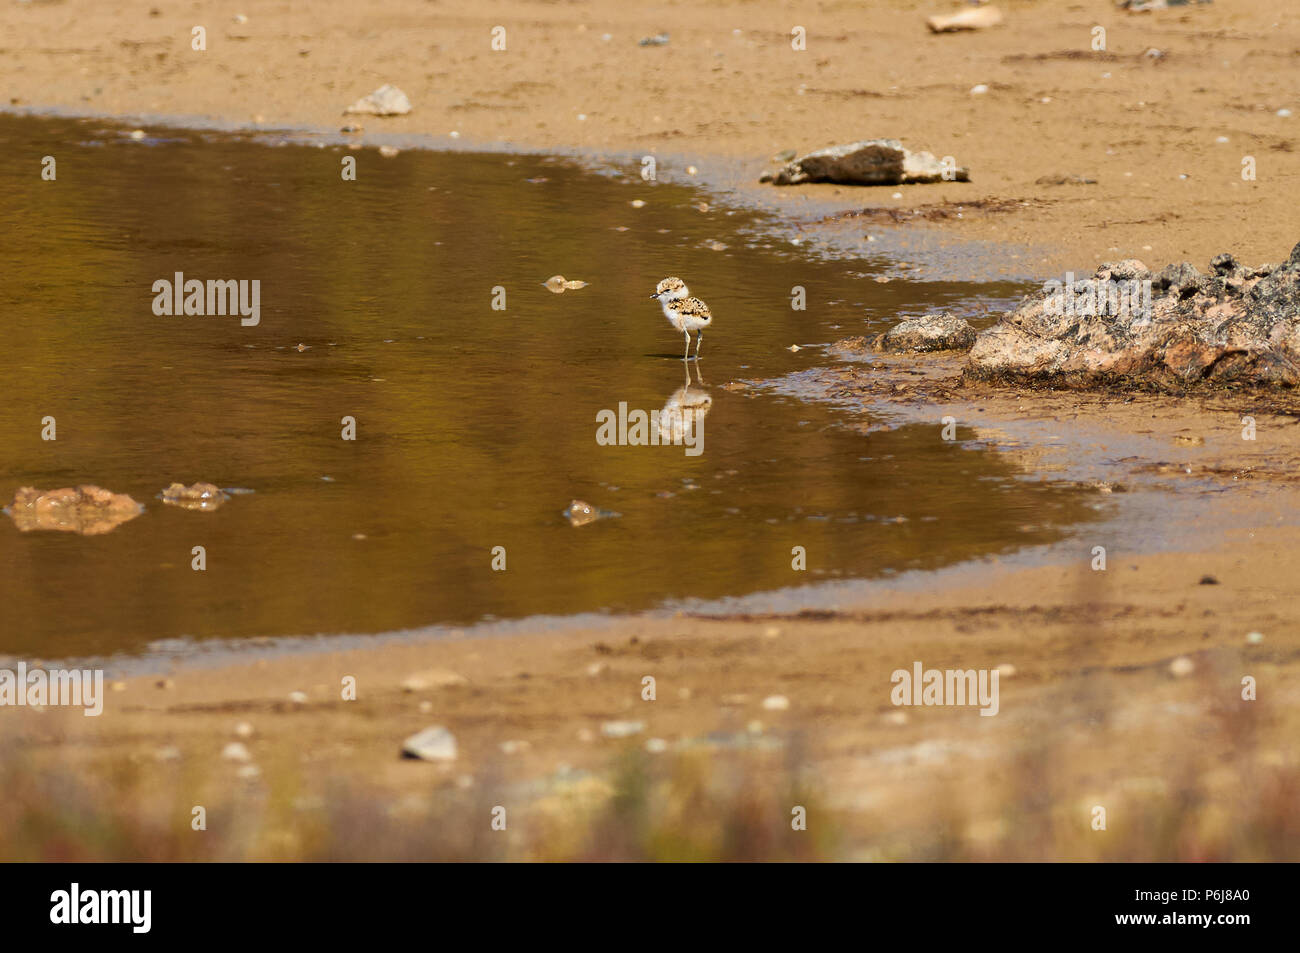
pixel 387 100
pixel 244 730
pixel 298 698
pixel 426 707
pixel 389 152
pixel 1284 113
pixel 580 513
pixel 691 170
pixel 1006 670
pixel 168 753
pixel 659 39
pixel 1254 638
pixel 166 684
pixel 656 745
pixel 137 134
pixel 597 668
pixel 433 678
pixel 1181 666
pixel 1208 581
pixel 622 729
pixel 894 718
pixel 776 703
pixel 979 89
pixel 514 747
pixel 794 348
pixel 248 772
pixel 772 632
pixel 431 744
pixel 118 686
pixel 637 203
pixel 558 284
pixel 235 751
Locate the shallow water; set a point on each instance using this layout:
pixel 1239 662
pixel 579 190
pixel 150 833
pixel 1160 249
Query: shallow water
pixel 474 427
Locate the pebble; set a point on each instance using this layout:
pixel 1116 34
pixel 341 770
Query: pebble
pixel 235 751
pixel 979 89
pixel 433 678
pixel 656 745
pixel 298 698
pixel 514 747
pixel 1181 666
pixel 776 703
pixel 772 632
pixel 637 203
pixel 622 729
pixel 388 151
pixel 244 730
pixel 431 744
pixel 1254 638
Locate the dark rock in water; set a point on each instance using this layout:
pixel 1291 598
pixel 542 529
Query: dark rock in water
pixel 870 162
pixel 933 332
pixel 200 496
pixel 1126 325
pixel 87 510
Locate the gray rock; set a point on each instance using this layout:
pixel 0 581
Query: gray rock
pixel 432 744
pixel 385 101
pixel 870 162
pixel 1235 325
pixel 659 39
pixel 932 332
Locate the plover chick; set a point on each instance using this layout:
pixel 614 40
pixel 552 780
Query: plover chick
pixel 683 312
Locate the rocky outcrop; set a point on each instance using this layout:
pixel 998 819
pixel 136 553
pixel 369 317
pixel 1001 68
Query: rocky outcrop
pixel 870 162
pixel 1126 325
pixel 86 510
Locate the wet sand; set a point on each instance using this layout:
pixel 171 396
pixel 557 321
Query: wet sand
pixel 1093 712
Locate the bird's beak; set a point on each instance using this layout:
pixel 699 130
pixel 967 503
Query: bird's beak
pixel 655 295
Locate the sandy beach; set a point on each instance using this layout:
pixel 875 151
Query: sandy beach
pixel 1120 687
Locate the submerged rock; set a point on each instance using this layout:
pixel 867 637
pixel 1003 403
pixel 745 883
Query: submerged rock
pixel 869 162
pixel 87 510
pixel 558 284
pixel 1234 325
pixel 932 332
pixel 387 100
pixel 581 513
pixel 199 496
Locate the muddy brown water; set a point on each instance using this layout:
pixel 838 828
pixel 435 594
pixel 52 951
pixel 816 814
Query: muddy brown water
pixel 475 427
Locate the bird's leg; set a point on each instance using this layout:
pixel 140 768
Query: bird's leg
pixel 687 355
pixel 699 339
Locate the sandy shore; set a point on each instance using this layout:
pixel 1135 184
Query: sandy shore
pixel 1094 710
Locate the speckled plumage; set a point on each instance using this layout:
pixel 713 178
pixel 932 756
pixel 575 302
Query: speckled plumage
pixel 683 312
